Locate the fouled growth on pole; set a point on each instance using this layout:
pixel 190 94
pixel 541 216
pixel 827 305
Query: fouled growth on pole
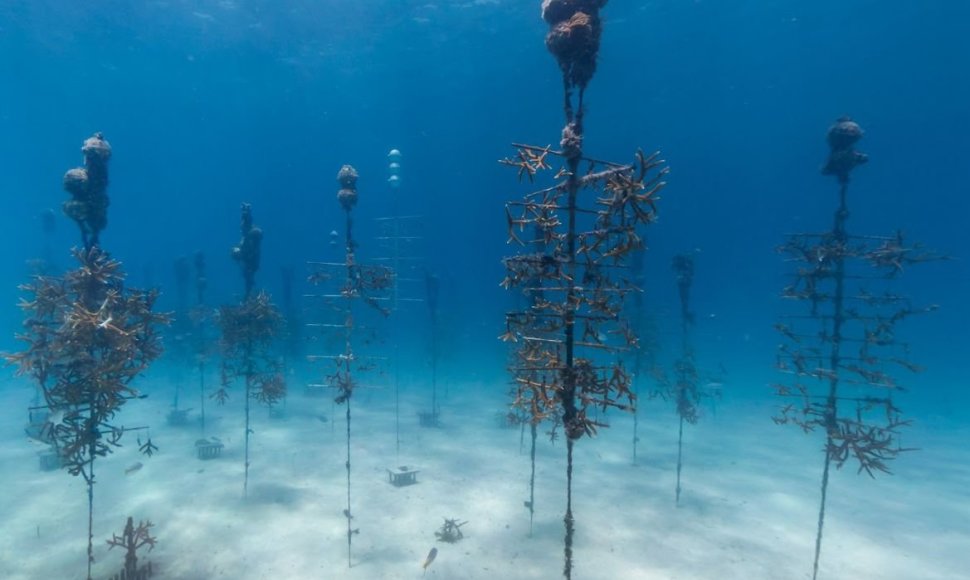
pixel 351 282
pixel 88 336
pixel 249 330
pixel 581 230
pixel 88 187
pixel 842 353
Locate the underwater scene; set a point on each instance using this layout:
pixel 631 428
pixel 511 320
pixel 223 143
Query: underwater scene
pixel 474 289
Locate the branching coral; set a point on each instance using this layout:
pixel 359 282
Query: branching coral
pixel 87 339
pixel 450 531
pixel 132 539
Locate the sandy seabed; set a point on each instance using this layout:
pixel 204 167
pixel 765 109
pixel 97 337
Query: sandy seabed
pixel 748 508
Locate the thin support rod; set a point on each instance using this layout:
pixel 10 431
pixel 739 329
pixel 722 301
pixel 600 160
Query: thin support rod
pixel 397 400
pixel 91 517
pixel 434 368
pixel 821 515
pixel 396 264
pixel 568 520
pixel 636 426
pixel 90 522
pixel 638 365
pixel 348 350
pixel 202 394
pixel 92 452
pixel 680 449
pixel 350 532
pixel 831 405
pixel 533 425
pixel 249 430
pixel 178 387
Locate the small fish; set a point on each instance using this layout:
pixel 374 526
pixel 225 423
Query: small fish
pixel 133 468
pixel 427 561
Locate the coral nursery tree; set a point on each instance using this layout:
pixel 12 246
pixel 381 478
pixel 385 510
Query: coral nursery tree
pixel 684 389
pixel 87 335
pixel 841 353
pixel 585 226
pixel 353 282
pixel 249 330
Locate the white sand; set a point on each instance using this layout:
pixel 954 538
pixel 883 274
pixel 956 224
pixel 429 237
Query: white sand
pixel 749 503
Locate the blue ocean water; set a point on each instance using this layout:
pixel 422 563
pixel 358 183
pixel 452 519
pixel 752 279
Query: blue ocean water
pixel 208 104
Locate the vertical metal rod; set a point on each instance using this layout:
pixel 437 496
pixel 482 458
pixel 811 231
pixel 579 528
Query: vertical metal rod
pixel 348 356
pixel 835 357
pixel 532 476
pixel 249 381
pixel 680 453
pixel 90 482
pixel 202 391
pixel 396 261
